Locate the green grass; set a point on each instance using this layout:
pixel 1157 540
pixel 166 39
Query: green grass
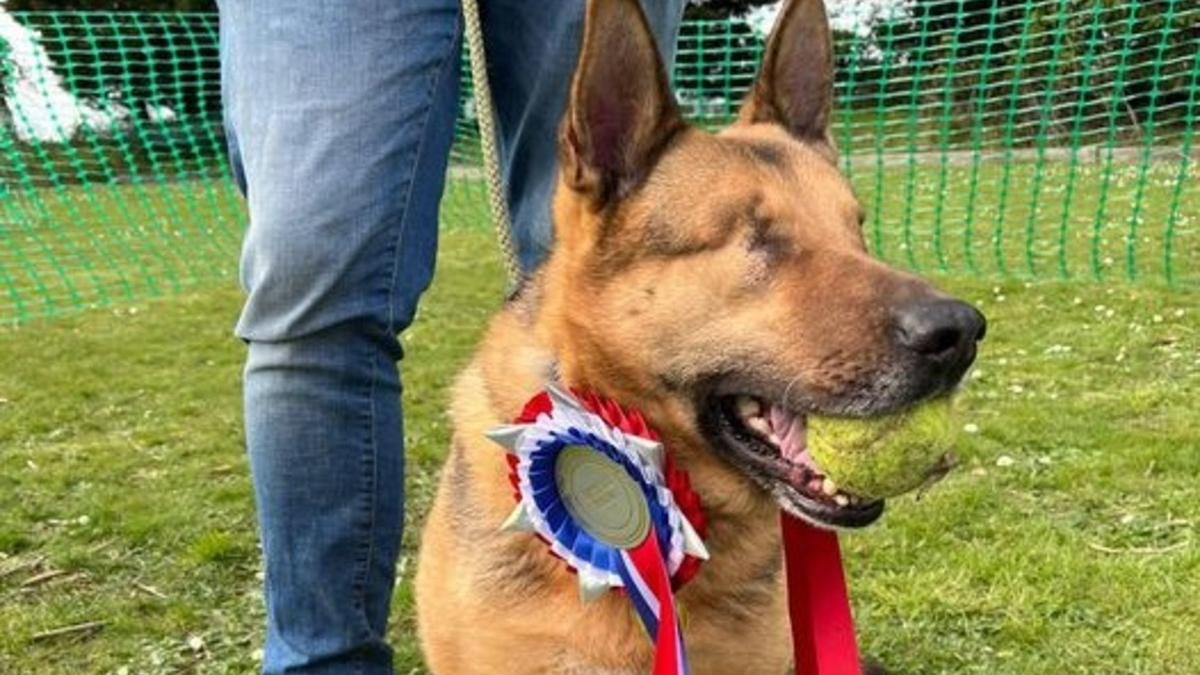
pixel 1066 544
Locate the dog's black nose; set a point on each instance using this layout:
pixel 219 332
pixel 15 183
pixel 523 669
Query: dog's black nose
pixel 943 332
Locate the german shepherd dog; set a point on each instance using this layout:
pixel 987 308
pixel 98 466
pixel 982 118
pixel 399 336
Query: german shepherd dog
pixel 719 283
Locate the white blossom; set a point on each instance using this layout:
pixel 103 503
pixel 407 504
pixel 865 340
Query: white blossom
pixel 40 106
pixel 859 17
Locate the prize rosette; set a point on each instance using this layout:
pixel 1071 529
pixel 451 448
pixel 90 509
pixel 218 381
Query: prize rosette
pixel 592 480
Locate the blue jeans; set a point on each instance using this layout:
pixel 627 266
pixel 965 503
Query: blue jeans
pixel 340 115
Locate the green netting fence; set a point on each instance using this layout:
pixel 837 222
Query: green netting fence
pixel 1036 139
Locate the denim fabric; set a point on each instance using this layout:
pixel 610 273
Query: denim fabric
pixel 340 115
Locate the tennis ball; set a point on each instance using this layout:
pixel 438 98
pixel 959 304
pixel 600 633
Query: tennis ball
pixel 886 456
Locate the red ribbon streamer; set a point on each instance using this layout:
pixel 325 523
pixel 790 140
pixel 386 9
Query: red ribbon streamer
pixel 647 558
pixel 822 625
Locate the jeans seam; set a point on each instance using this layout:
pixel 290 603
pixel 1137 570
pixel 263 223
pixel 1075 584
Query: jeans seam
pixel 371 471
pixel 398 243
pixel 370 477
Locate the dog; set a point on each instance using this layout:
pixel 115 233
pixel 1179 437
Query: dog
pixel 719 282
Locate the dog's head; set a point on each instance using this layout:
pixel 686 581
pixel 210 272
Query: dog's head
pixel 721 281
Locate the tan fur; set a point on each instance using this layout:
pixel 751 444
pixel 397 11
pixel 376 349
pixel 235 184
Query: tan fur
pixel 684 256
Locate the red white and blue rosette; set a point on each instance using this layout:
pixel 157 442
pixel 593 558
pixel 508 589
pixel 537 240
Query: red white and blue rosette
pixel 593 481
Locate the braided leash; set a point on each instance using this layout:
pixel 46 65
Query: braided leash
pixel 485 116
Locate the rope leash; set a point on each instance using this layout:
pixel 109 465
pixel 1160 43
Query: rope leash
pixel 485 117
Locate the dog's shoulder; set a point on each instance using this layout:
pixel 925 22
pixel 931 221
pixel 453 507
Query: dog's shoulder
pixel 511 365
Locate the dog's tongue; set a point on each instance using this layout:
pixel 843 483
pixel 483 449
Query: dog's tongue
pixel 790 431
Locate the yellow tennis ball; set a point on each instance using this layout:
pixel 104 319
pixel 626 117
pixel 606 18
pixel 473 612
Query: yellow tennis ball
pixel 886 456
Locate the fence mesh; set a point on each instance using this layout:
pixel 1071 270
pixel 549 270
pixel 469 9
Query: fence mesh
pixel 1035 138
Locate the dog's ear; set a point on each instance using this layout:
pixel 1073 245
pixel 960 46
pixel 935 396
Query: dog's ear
pixel 621 113
pixel 795 83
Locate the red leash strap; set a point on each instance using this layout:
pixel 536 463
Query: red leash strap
pixel 822 625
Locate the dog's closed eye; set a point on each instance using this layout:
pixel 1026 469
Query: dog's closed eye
pixel 766 238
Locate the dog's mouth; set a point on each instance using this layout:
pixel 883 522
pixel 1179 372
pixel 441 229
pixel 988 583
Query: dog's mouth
pixel 767 441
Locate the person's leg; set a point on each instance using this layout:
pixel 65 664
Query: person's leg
pixel 340 115
pixel 532 48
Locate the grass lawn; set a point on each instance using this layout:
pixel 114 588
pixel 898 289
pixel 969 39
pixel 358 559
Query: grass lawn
pixel 1066 543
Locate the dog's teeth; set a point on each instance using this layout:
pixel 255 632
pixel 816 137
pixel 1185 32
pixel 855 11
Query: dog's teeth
pixel 841 500
pixel 762 426
pixel 749 407
pixel 829 487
